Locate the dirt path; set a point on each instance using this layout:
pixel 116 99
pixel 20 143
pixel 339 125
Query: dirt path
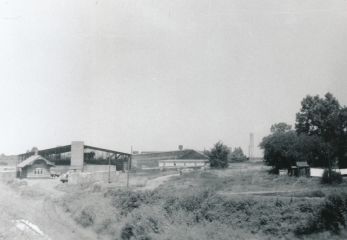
pixel 48 185
pixel 156 182
pixel 258 192
pixel 40 213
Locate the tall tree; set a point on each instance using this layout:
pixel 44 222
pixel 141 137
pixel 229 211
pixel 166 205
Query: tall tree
pixel 324 117
pixel 218 156
pixel 237 155
pixel 284 149
pixel 33 149
pixel 280 127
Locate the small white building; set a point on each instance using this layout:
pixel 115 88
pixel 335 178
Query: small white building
pixel 171 159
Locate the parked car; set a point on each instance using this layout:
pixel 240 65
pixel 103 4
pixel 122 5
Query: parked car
pixel 55 173
pixel 64 178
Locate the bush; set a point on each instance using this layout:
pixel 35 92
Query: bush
pixel 330 216
pixel 336 177
pixel 127 201
pixel 218 157
pixel 86 217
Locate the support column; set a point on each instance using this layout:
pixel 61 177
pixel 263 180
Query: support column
pixel 77 156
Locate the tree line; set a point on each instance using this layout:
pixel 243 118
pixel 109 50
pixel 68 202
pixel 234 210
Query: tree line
pixel 221 155
pixel 319 138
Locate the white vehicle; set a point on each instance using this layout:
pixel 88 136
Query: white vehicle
pixel 64 178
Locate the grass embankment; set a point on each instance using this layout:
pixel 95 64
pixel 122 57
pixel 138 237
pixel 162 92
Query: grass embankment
pixel 189 207
pixel 24 190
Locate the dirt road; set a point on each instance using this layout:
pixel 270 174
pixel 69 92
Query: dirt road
pixel 27 218
pixel 154 183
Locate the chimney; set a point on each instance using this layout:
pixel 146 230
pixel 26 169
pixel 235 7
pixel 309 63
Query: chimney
pixel 36 152
pixel 180 147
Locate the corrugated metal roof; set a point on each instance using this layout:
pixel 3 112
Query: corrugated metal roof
pixel 32 159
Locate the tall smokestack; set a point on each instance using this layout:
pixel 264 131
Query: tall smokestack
pixel 251 146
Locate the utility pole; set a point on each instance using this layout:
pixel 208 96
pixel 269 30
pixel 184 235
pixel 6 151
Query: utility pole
pixel 129 160
pixel 109 169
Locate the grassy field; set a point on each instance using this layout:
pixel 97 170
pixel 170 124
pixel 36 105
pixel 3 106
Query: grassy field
pixel 241 202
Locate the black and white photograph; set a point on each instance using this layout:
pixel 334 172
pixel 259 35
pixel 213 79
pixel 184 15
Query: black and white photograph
pixel 173 120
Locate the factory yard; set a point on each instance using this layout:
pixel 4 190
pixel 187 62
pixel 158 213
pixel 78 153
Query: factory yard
pixel 241 202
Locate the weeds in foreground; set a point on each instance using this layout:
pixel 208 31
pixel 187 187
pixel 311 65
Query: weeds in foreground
pixel 176 211
pixel 166 212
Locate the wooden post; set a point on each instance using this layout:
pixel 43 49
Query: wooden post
pixel 131 152
pixel 109 169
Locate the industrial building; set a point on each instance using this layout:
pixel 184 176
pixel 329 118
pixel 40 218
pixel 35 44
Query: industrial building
pixel 170 159
pixel 77 156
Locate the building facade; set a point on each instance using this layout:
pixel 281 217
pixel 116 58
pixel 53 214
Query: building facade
pixel 35 167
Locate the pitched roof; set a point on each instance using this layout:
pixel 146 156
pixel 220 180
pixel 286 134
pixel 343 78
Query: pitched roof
pixel 179 154
pixel 160 155
pixel 302 164
pixel 193 155
pixel 32 159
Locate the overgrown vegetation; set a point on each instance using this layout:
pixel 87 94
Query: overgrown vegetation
pixel 218 156
pixel 190 207
pixel 21 186
pixel 335 177
pixel 319 138
pixel 237 156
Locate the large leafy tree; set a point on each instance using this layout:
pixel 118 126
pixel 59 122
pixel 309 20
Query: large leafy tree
pixel 218 156
pixel 237 155
pixel 280 127
pixel 283 149
pixel 325 118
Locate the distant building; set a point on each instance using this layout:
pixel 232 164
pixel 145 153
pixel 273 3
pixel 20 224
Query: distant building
pixel 35 167
pixel 171 159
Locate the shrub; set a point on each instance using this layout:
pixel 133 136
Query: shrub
pixel 127 201
pixel 336 177
pixel 218 157
pixel 330 216
pixel 127 232
pixel 96 188
pixel 86 217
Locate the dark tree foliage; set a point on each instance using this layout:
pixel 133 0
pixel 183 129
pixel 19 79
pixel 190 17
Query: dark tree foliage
pixel 280 127
pixel 325 118
pixel 284 149
pixel 33 149
pixel 237 155
pixel 333 177
pixel 218 156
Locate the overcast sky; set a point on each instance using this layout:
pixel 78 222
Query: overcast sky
pixel 158 74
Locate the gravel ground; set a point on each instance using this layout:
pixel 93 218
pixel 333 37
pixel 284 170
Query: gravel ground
pixel 39 212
